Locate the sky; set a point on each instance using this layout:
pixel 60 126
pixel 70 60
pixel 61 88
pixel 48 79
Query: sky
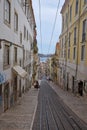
pixel 48 14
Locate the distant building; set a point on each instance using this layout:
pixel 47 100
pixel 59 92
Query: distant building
pixel 73 43
pixel 17 31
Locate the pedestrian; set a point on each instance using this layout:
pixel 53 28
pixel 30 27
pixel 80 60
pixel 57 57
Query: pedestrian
pixel 80 88
pixel 36 84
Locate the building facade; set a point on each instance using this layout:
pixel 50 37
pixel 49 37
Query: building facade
pixel 17 31
pixel 57 56
pixel 73 42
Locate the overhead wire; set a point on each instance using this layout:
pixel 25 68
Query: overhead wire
pixel 40 24
pixel 53 27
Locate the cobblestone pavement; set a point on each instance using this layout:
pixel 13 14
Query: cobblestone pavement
pixel 20 116
pixel 53 114
pixel 78 104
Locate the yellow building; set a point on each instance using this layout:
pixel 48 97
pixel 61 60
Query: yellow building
pixel 73 42
pixel 57 54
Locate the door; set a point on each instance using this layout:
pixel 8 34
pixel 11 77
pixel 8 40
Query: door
pixel 73 83
pixel 6 96
pixel 67 81
pixel 15 89
pixel 20 88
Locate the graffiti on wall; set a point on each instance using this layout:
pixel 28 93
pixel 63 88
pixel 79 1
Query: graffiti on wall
pixel 2 78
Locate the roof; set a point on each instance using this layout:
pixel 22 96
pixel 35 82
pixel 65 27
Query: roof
pixel 64 5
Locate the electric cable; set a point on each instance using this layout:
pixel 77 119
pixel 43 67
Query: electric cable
pixel 53 27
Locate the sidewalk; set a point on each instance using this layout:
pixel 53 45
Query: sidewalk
pixel 77 104
pixel 21 116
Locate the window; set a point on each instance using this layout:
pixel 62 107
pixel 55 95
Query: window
pixel 64 53
pixel 84 31
pixel 7 11
pixel 31 46
pixel 20 62
pixel 70 13
pixel 16 22
pixel 24 32
pixel 62 23
pixel 76 10
pixel 24 54
pixel 15 54
pixel 20 38
pixel 61 54
pixel 75 35
pixel 74 53
pixel 7 55
pixel 66 19
pixel 82 52
pixel 69 38
pixel 27 34
pixel 85 1
pixel 65 41
pixel 62 44
pixel 69 53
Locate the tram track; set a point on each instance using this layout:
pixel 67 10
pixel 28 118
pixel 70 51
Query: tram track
pixel 54 114
pixel 70 117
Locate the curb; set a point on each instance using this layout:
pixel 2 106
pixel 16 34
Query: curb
pixel 34 115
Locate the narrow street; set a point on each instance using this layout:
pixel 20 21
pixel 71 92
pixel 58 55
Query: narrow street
pixel 43 65
pixel 53 114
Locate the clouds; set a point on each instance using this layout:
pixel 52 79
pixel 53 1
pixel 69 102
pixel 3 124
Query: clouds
pixel 48 13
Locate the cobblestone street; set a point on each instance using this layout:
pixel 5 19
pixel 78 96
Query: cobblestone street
pixel 20 116
pixel 48 111
pixel 43 65
pixel 53 114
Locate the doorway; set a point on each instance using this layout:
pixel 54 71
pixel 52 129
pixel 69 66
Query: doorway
pixel 73 85
pixel 20 88
pixel 6 96
pixel 15 89
pixel 67 81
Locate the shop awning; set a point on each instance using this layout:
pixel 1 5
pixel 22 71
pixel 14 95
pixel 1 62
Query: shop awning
pixel 20 71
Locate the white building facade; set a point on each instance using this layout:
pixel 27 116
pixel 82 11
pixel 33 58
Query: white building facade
pixel 17 26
